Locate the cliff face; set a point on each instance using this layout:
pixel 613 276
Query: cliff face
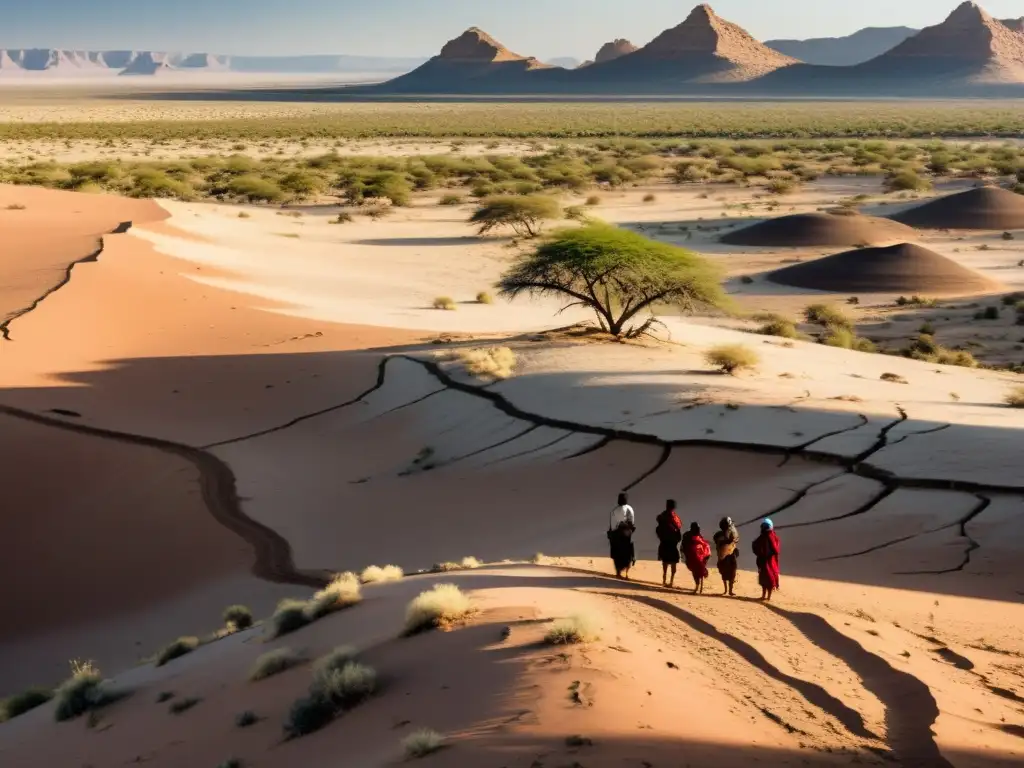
pixel 616 49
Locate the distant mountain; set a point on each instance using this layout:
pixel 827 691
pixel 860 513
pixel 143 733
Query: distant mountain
pixel 844 51
pixel 65 62
pixel 565 62
pixel 616 49
pixel 1017 25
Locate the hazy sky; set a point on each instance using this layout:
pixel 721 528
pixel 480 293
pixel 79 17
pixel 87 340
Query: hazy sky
pixel 543 28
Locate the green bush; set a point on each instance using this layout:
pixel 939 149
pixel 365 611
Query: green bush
pixel 827 315
pixel 254 189
pixel 180 647
pixel 451 200
pixel 20 703
pixel 237 617
pixel 844 338
pixel 906 181
pixel 731 358
pixel 782 327
pixel 524 215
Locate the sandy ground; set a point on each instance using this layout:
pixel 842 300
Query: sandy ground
pixel 272 383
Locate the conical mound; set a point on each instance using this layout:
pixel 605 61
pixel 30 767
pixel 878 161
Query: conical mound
pixel 806 230
pixel 980 208
pixel 902 268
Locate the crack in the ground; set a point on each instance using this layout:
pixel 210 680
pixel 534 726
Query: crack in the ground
pixel 273 554
pixel 882 441
pixel 506 441
pixel 539 448
pixel 795 499
pixel 665 454
pixel 984 502
pixel 5 330
pixel 922 432
pixel 864 508
pixel 381 369
pixel 410 404
pixel 977 510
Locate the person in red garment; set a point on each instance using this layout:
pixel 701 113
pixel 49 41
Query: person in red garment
pixel 669 532
pixel 766 550
pixel 697 552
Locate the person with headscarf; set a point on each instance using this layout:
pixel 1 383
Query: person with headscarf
pixel 670 533
pixel 727 540
pixel 697 552
pixel 766 549
pixel 621 526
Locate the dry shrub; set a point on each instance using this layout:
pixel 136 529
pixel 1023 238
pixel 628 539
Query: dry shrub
pixel 343 591
pixel 827 315
pixel 1015 398
pixel 894 378
pixel 333 690
pixel 291 615
pixel 484 298
pixel 730 358
pixel 447 303
pixel 274 663
pixel 776 325
pixel 237 618
pixel 439 607
pixel 20 703
pixel 84 691
pixel 490 362
pixel 180 647
pixel 470 563
pixel 374 574
pixel 333 661
pixel 422 743
pixel 572 631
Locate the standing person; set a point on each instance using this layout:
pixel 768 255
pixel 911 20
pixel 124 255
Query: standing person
pixel 620 537
pixel 670 533
pixel 727 540
pixel 766 550
pixel 697 552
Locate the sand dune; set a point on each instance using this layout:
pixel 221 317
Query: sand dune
pixel 980 208
pixel 819 229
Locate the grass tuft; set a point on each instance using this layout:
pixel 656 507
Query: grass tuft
pixel 484 298
pixel 180 647
pixel 237 618
pixel 490 362
pixel 573 631
pixel 374 574
pixel 274 663
pixel 23 702
pixel 446 303
pixel 1015 397
pixel 183 705
pixel 437 608
pixel 422 743
pixel 246 718
pixel 731 358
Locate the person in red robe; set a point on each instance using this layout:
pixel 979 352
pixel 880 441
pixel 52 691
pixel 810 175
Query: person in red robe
pixel 669 532
pixel 697 552
pixel 766 550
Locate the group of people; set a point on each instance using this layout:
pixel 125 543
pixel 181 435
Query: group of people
pixel 691 548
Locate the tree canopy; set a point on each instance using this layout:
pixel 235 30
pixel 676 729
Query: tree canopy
pixel 618 274
pixel 524 214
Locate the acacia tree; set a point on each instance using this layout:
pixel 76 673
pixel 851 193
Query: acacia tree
pixel 618 274
pixel 524 214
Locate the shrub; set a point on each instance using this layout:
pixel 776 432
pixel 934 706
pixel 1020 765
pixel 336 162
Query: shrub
pixel 777 325
pixel 524 215
pixel 80 693
pixel 20 703
pixel 988 313
pixel 492 362
pixel 348 686
pixel 309 714
pixel 571 631
pixel 376 574
pixel 246 718
pixel 343 592
pixel 274 663
pixel 827 315
pixel 484 298
pixel 183 705
pixel 959 357
pixel 730 358
pixel 343 218
pixel 422 743
pixel 1012 299
pixel 451 200
pixel 164 696
pixel 781 186
pixel 446 303
pixel 649 198
pixel 894 378
pixel 901 181
pixel 593 200
pixel 237 617
pixel 180 647
pixel 439 607
pixel 844 338
pixel 290 616
pixel 16 207
pixel 255 189
pixel 470 563
pixel 334 661
pixel 1015 398
pixel 244 215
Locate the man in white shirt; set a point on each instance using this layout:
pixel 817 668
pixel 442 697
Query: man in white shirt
pixel 621 526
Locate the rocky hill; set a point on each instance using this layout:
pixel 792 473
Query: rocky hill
pixel 859 47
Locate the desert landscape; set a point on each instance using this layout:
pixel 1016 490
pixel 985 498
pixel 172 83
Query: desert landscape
pixel 315 414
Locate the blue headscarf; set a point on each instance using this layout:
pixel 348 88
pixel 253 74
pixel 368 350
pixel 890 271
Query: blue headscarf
pixel 767 524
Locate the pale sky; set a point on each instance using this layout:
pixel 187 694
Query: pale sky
pixel 542 28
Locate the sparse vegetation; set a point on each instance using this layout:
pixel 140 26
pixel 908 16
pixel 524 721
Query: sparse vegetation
pixel 845 338
pixel 776 325
pixel 484 298
pixel 334 689
pixel 274 663
pixel 906 180
pixel 451 200
pixel 593 200
pixel 342 592
pixel 925 348
pixel 525 215
pixel 20 703
pixel 828 316
pixel 237 618
pixel 374 574
pixel 732 358
pixel 1015 397
pixel 893 378
pixel 573 630
pixel 333 661
pixel 492 362
pixel 83 692
pixel 183 705
pixel 421 743
pixel 439 607
pixel 988 313
pixel 617 274
pixel 650 198
pixel 446 303
pixel 180 647
pixel 470 563
pixel 309 714
pixel 343 218
pixel 246 718
pixel 291 615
